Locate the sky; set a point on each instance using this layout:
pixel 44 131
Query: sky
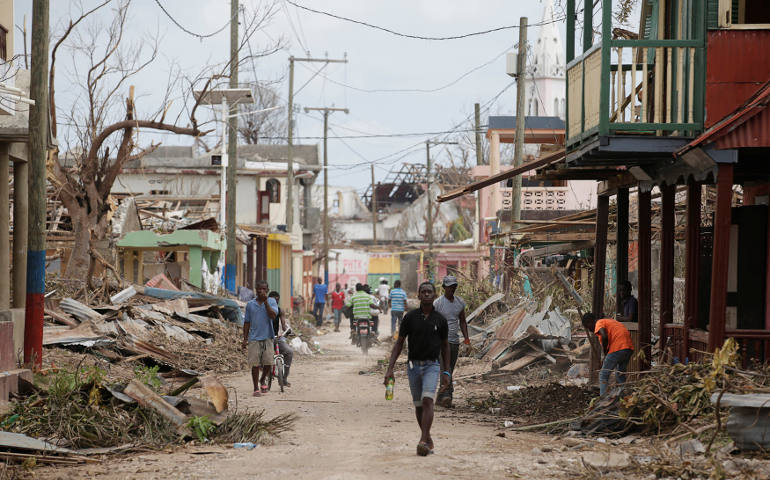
pixel 376 60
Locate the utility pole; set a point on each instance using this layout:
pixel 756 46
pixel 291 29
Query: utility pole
pixel 429 226
pixel 290 139
pixel 521 96
pixel 326 111
pixel 232 155
pixel 477 115
pixel 373 203
pixel 38 152
pixel 479 161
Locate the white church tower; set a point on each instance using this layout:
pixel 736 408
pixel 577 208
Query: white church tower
pixel 546 97
pixel 547 86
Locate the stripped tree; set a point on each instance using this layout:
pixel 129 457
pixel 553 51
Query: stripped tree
pixel 101 126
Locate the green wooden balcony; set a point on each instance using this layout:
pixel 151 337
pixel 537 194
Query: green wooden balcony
pixel 645 87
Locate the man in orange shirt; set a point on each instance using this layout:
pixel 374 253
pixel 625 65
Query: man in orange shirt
pixel 617 345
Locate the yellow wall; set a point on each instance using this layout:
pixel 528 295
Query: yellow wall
pixel 389 264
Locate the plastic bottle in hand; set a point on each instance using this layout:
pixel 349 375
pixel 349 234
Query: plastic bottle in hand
pixel 389 389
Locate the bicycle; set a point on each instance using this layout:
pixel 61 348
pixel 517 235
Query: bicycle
pixel 279 365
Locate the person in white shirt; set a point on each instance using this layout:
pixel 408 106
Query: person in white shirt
pixel 383 290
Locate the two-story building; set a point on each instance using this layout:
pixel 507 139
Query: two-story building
pixel 684 103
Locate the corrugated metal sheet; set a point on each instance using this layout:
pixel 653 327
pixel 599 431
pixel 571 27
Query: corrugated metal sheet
pixel 753 133
pixel 738 63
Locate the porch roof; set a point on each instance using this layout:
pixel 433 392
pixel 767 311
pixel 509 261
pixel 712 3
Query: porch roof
pixel 747 126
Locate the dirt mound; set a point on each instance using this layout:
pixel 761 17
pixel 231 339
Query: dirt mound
pixel 538 404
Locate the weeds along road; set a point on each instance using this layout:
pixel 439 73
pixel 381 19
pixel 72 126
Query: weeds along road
pixel 346 430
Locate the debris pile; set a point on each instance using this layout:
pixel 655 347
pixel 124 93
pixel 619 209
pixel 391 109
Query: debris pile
pixel 79 413
pixel 519 337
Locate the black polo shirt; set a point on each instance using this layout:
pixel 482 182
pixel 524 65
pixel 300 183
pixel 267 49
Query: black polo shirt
pixel 424 334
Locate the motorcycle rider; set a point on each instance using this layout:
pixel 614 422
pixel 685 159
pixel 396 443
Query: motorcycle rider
pixel 374 312
pixel 383 292
pixel 360 302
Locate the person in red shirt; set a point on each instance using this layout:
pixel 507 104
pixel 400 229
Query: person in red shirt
pixel 338 303
pixel 617 346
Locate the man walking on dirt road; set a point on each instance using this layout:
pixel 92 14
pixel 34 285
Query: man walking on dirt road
pixel 452 308
pixel 617 345
pixel 427 332
pixel 258 336
pixel 397 306
pixel 320 292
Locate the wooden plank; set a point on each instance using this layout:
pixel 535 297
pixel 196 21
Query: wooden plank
pixel 148 398
pixel 522 362
pixel 691 87
pixel 658 102
pixel 634 52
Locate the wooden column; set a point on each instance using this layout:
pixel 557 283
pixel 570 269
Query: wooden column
pixel 600 260
pixel 767 279
pixel 621 254
pixel 719 256
pixel 666 262
pixel 645 279
pixel 692 267
pixel 250 263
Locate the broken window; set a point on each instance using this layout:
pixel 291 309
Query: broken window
pixel 273 188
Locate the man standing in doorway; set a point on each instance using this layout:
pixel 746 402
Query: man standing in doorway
pixel 452 308
pixel 397 306
pixel 426 330
pixel 320 292
pixel 258 336
pixel 629 304
pixel 338 303
pixel 617 346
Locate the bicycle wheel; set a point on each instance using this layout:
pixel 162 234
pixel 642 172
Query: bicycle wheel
pixel 279 371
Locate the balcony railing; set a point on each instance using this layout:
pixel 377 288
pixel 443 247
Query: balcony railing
pixel 643 87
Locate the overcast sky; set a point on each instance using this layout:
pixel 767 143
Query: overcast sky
pixel 377 60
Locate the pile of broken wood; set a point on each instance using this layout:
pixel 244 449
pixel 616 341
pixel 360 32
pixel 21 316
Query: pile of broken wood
pixel 175 330
pixel 522 336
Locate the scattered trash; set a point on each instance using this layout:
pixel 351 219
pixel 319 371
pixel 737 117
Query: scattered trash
pixel 246 445
pixel 514 388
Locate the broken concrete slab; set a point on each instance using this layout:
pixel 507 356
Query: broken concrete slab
pixel 605 461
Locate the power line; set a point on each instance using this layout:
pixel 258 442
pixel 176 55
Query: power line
pixel 414 90
pixel 198 35
pixel 417 37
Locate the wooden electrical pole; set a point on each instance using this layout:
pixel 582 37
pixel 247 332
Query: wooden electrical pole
pixel 373 203
pixel 479 161
pixel 232 155
pixel 521 96
pixel 326 111
pixel 290 139
pixel 38 152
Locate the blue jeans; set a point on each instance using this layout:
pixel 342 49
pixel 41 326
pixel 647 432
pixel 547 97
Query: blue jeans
pixel 337 317
pixel 614 361
pixel 423 379
pixel 318 313
pixel 395 320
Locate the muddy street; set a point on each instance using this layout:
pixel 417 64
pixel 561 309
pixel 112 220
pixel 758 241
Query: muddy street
pixel 346 429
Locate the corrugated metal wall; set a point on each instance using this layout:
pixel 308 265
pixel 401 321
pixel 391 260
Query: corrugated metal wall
pixel 738 65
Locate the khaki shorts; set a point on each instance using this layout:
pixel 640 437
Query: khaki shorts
pixel 261 353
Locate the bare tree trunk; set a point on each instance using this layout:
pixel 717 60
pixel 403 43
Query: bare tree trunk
pixel 79 261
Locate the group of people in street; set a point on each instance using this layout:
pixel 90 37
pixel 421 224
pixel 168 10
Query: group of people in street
pixel 432 333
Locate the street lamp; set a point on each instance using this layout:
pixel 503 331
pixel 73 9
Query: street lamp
pixel 223 97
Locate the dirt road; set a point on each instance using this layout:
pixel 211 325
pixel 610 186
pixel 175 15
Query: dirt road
pixel 347 430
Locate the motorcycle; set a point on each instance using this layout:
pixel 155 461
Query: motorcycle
pixel 364 329
pixel 384 303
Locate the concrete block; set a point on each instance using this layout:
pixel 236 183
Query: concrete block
pixel 15 316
